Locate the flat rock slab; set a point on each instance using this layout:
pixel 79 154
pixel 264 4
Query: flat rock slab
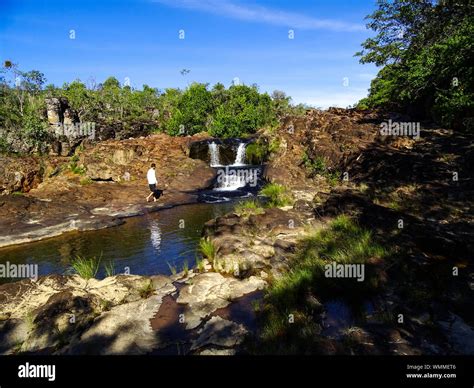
pixel 210 291
pixel 111 316
pixel 124 329
pixel 220 332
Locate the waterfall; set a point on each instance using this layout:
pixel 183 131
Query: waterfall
pixel 240 155
pixel 230 179
pixel 214 152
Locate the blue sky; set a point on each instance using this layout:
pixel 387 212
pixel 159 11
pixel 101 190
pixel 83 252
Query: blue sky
pixel 224 39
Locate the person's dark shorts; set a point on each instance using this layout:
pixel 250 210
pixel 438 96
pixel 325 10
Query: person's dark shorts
pixel 156 192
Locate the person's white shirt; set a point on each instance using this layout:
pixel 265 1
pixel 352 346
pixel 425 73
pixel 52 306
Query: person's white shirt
pixel 151 176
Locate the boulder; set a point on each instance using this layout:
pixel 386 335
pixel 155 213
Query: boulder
pixel 19 174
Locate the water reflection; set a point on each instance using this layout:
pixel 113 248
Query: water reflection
pixel 144 244
pixel 155 235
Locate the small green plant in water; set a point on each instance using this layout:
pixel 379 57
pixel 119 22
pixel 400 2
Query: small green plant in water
pixel 186 268
pixel 86 268
pixel 172 268
pixel 200 264
pixel 208 248
pixel 109 268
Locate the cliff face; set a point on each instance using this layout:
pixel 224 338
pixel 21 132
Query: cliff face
pixel 129 160
pixel 334 139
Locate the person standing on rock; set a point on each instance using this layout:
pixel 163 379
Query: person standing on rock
pixel 152 182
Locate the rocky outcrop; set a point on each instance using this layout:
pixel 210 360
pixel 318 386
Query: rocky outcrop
pixel 19 174
pixel 337 136
pixel 259 244
pixel 53 311
pixel 55 111
pixel 129 160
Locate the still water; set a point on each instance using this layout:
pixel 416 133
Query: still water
pixel 147 245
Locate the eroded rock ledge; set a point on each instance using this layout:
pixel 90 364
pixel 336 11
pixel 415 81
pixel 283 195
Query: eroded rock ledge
pixel 69 315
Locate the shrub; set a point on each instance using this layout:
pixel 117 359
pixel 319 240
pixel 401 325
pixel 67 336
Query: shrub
pixel 74 168
pixel 318 166
pixel 277 195
pixel 256 152
pixel 315 165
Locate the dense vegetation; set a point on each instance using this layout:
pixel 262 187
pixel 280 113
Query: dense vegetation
pixel 426 49
pixel 121 111
pixel 21 107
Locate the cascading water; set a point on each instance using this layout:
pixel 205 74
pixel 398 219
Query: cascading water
pixel 234 178
pixel 214 153
pixel 230 179
pixel 240 155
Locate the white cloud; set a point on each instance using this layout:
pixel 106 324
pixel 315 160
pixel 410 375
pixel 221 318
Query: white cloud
pixel 255 13
pixel 327 98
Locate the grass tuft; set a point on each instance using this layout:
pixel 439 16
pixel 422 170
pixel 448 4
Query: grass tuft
pixel 186 268
pixel 109 268
pixel 248 207
pixel 172 268
pixel 208 248
pixel 86 268
pixel 147 290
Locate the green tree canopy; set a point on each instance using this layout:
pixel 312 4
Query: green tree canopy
pixel 426 49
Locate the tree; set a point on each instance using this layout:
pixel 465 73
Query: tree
pixel 281 103
pixel 195 106
pixel 426 49
pixel 244 111
pixel 80 100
